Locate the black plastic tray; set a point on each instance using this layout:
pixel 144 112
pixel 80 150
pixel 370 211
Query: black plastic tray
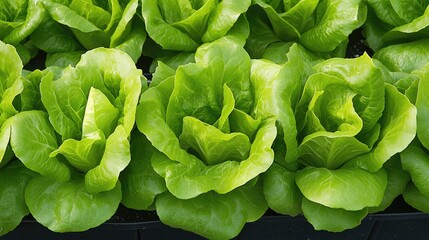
pixel 412 225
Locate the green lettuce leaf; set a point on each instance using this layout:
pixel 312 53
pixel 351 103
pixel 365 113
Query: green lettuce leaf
pixel 140 183
pixel 80 145
pixel 169 143
pixel 83 155
pixel 396 21
pixel 347 124
pixel 282 194
pixel 337 188
pixel 13 181
pixel 93 25
pixel 211 140
pixel 416 162
pixel 51 202
pixel 321 26
pixel 415 198
pixel 63 59
pixel 33 139
pixel 212 215
pixel 185 25
pixel 335 21
pixel 422 106
pixel 397 180
pixel 116 157
pixel 398 127
pixel 53 37
pixel 103 69
pixel 331 219
pixel 11 84
pixel 405 57
pixel 19 19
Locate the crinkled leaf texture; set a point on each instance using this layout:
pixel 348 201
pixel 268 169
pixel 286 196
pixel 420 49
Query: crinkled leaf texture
pixel 405 57
pixel 335 21
pixel 10 80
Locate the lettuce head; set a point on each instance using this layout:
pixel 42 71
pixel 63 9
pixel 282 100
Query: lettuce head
pixel 339 124
pixel 79 142
pixel 207 138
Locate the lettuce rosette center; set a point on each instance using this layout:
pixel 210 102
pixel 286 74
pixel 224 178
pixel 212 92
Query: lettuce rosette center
pixel 204 116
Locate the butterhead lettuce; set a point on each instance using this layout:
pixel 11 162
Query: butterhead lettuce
pixel 110 24
pixel 409 63
pixel 80 143
pixel 322 26
pixel 184 25
pixel 208 140
pixel 396 21
pixel 338 125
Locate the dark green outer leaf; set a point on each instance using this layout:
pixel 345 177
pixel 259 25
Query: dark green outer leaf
pixel 416 161
pixel 283 29
pixel 415 30
pixel 405 57
pixel 140 183
pixel 162 32
pixel 385 12
pixel 415 198
pixel 35 15
pixel 212 215
pixel 281 192
pixel 261 35
pixel 13 180
pixel 53 37
pixel 339 19
pixel 397 180
pixel 331 219
pixel 422 104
